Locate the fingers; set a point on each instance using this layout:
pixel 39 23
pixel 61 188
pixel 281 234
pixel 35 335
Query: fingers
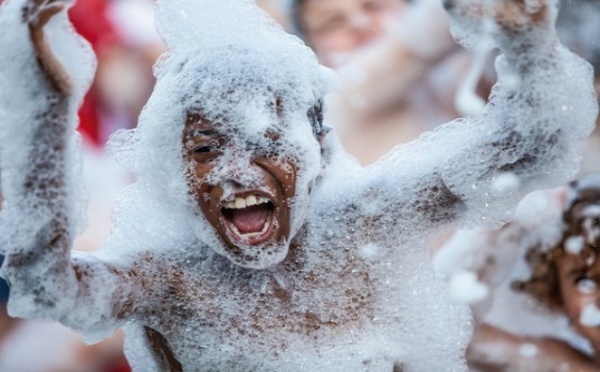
pixel 517 15
pixel 31 7
pixel 510 15
pixel 47 12
pixel 39 12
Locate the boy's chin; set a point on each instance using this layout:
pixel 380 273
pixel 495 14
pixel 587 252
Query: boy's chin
pixel 250 256
pixel 256 257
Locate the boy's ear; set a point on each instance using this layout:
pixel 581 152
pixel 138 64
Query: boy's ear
pixel 315 116
pixel 325 142
pixel 323 134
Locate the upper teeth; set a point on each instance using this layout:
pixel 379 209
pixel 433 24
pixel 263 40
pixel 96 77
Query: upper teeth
pixel 248 201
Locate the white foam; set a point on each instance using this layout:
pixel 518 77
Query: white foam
pixel 528 350
pixel 506 182
pixel 575 244
pixel 467 101
pixel 590 316
pixel 466 289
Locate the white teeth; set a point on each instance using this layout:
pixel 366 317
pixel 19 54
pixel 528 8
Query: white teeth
pixel 267 225
pixel 251 200
pixel 240 203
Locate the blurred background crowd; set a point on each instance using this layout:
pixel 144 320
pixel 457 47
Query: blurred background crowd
pixel 400 74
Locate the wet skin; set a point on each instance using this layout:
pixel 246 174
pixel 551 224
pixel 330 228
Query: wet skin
pixel 203 145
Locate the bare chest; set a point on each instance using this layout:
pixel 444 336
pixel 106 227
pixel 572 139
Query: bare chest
pixel 236 315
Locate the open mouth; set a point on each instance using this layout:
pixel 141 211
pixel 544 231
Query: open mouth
pixel 249 219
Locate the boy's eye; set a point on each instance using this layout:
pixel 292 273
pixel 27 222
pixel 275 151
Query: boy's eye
pixel 204 149
pixel 205 153
pixel 586 285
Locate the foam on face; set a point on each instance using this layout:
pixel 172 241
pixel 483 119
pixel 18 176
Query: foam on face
pixel 574 244
pixel 590 316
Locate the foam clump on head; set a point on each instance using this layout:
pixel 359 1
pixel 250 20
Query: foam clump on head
pixel 224 58
pixel 220 47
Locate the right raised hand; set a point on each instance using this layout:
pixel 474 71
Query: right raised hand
pixel 511 18
pixel 37 13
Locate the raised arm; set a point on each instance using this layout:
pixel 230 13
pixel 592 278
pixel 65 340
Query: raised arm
pixel 541 106
pixel 39 182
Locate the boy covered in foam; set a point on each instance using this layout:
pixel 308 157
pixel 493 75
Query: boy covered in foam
pixel 250 241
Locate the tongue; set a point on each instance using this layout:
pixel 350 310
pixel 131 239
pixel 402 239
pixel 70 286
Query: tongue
pixel 250 219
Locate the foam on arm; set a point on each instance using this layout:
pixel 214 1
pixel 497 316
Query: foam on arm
pixel 41 181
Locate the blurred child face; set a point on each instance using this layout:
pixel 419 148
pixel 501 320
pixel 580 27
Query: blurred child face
pixel 336 28
pixel 579 274
pixel 580 290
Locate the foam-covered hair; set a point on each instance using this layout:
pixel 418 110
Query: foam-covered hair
pixel 223 56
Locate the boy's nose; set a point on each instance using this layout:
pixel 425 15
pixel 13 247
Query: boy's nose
pixel 364 27
pixel 232 186
pixel 232 175
pixel 241 172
